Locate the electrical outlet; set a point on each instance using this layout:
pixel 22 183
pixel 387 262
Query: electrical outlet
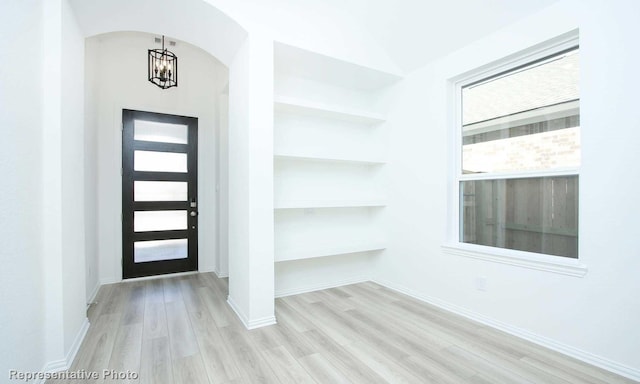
pixel 481 283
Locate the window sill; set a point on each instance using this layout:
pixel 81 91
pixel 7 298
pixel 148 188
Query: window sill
pixel 554 264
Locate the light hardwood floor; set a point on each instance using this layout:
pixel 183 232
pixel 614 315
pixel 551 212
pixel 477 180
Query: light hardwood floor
pixel 181 330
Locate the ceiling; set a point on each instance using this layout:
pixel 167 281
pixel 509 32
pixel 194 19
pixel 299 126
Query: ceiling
pixel 410 33
pixel 399 34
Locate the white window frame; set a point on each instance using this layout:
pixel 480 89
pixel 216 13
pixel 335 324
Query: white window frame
pixel 453 245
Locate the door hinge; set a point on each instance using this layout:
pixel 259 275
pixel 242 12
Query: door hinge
pixel 122 127
pixel 121 172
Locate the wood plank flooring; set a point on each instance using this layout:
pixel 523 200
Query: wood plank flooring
pixel 181 330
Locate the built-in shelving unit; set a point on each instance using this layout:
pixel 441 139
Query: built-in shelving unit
pixel 329 163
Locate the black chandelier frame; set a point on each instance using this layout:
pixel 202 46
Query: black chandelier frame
pixel 163 67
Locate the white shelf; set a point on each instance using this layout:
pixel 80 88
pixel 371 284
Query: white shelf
pixel 313 65
pixel 296 157
pixel 295 105
pixel 301 204
pixel 309 253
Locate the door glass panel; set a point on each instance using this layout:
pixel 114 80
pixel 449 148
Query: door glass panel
pixel 159 220
pixel 160 132
pixel 151 161
pixel 156 250
pixel 160 190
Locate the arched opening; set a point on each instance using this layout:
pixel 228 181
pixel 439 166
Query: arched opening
pixel 196 22
pixel 116 80
pixel 81 141
pixel 207 40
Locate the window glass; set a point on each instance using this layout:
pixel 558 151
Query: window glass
pixel 524 120
pixel 519 125
pixel 538 214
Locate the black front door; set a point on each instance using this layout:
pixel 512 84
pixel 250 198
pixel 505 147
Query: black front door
pixel 159 193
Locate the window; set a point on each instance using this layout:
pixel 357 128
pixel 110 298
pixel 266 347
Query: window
pixel 519 154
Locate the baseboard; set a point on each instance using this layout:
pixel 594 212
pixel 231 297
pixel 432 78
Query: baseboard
pixel 108 281
pixel 263 322
pixel 318 287
pixel 94 293
pixel 55 366
pixel 77 342
pixel 219 274
pixel 243 318
pixel 546 342
pixel 206 269
pixel 64 364
pixel 250 324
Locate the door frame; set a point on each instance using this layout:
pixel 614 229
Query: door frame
pixel 130 269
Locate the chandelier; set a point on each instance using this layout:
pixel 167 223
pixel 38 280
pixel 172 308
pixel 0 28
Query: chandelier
pixel 163 67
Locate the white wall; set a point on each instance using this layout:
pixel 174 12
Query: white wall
pixel 62 185
pixel 52 181
pixel 222 266
pixel 119 80
pixel 594 317
pixel 238 158
pixel 92 275
pixel 45 242
pixel 21 289
pixel 72 181
pixel 250 139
